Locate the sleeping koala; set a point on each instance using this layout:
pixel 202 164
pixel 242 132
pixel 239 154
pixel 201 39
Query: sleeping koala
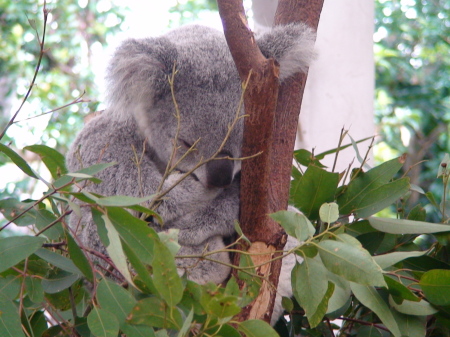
pixel 140 121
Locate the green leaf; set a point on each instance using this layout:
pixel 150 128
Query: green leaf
pixel 353 264
pixel 137 330
pixel 10 286
pixel 310 284
pixel 387 260
pixel 314 188
pixel 87 173
pixel 367 182
pixel 306 158
pixel 399 292
pixel 411 326
pixel 165 275
pixel 403 226
pixel 226 331
pixel 19 161
pixel 341 292
pixel 117 200
pixel 115 299
pixel 154 312
pixel 287 304
pixel 135 232
pixel 102 323
pixel 256 328
pixel 329 212
pixel 295 224
pixel 34 289
pixel 78 257
pixel 11 208
pixel 224 306
pixel 416 308
pixel 435 285
pixel 58 282
pixel 143 273
pixel 370 298
pixel 317 317
pixel 10 325
pixel 43 219
pixel 54 160
pixel 378 199
pixel 368 331
pixel 115 250
pixel 58 260
pixel 186 324
pixel 17 248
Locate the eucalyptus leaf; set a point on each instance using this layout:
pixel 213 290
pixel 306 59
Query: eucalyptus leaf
pixel 78 257
pixel 17 248
pixel 102 323
pixel 10 325
pixel 19 161
pixel 115 250
pixel 351 263
pixel 115 299
pixel 154 312
pixel 295 224
pixel 370 298
pixel 314 188
pixel 11 207
pixel 421 308
pixel 436 286
pixel 310 284
pixel 403 226
pixel 256 328
pixel 34 289
pixel 54 160
pixel 411 326
pixel 135 232
pixel 367 182
pixel 329 212
pixel 58 260
pixel 165 275
pixel 59 281
pixel 10 286
pixel 389 259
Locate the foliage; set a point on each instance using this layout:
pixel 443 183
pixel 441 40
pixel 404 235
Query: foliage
pixel 412 84
pixel 374 274
pixel 73 30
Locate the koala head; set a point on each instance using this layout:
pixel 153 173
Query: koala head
pixel 207 92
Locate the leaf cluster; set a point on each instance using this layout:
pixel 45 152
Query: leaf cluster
pixel 377 275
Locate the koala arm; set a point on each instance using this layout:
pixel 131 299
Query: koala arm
pixel 104 140
pixel 215 219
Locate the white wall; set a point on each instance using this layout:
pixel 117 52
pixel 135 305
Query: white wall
pixel 340 87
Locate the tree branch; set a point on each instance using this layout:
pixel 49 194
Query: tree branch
pixel 269 127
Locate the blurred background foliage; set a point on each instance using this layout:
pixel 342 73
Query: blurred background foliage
pixel 412 101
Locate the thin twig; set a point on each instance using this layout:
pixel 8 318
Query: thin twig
pixel 41 54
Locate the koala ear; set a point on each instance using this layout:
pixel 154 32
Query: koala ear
pixel 291 45
pixel 138 73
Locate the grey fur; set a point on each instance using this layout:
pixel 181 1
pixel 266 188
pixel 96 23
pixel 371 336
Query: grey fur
pixel 140 114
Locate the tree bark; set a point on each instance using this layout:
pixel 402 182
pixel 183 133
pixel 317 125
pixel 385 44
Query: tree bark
pixel 269 129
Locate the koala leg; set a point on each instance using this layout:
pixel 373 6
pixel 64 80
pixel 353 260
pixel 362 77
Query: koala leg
pixel 201 270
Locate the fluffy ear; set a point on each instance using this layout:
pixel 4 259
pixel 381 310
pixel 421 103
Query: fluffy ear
pixel 138 74
pixel 291 45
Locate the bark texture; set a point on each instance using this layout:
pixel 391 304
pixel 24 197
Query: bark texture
pixel 269 130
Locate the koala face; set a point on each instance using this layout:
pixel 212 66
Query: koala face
pixel 207 90
pixel 205 118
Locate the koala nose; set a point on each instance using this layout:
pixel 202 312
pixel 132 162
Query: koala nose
pixel 219 172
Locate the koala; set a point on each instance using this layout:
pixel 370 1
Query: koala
pixel 140 121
